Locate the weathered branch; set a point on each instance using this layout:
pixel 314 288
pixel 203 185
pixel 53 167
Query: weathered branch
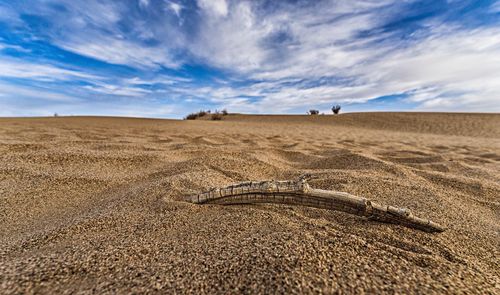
pixel 300 193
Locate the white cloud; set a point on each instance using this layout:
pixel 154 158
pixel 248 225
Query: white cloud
pixel 143 3
pixel 495 7
pixel 159 79
pixel 120 51
pixel 10 16
pixel 287 41
pixel 93 28
pixel 15 92
pixel 176 8
pixel 232 42
pixel 118 90
pixel 218 8
pixel 449 70
pixel 448 67
pixel 15 68
pixel 14 47
pixel 21 100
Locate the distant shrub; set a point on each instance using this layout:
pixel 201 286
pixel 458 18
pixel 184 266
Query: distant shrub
pixel 216 116
pixel 192 116
pixel 336 109
pixel 224 112
pixel 313 112
pixel 56 115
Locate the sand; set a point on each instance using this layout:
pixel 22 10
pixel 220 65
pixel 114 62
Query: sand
pixel 95 205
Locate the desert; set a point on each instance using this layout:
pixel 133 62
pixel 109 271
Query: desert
pixel 97 204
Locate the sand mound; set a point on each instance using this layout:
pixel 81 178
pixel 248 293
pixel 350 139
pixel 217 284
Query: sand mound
pixel 95 204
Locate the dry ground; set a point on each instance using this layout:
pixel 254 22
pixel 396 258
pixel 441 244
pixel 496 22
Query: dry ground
pixel 95 204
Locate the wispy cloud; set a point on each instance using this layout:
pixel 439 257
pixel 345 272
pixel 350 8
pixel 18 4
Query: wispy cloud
pixel 143 3
pixel 217 8
pixel 16 92
pixel 176 8
pixel 106 31
pixel 118 51
pixel 495 7
pixel 15 68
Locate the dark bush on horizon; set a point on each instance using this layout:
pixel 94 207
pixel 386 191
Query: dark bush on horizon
pixel 192 116
pixel 336 109
pixel 313 112
pixel 216 116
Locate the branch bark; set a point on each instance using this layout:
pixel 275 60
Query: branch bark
pixel 300 193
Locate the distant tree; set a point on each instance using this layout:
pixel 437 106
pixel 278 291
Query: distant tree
pixel 313 112
pixel 336 109
pixel 56 115
pixel 224 112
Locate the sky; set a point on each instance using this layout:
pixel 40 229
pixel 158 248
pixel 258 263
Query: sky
pixel 166 58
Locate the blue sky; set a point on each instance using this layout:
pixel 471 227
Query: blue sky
pixel 162 58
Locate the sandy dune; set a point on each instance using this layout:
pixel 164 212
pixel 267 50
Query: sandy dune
pixel 95 204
